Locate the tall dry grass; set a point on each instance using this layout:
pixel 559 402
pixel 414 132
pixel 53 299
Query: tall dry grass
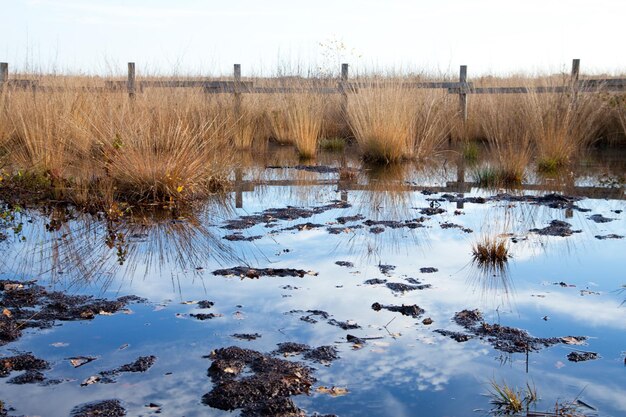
pixel 561 124
pixel 508 139
pixel 392 122
pixel 91 146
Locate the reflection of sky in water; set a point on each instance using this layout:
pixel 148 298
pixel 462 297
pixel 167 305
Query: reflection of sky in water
pixel 416 370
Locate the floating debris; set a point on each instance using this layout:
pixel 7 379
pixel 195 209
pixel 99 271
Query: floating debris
pixel 246 272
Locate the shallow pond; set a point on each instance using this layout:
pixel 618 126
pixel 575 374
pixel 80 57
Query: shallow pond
pixel 407 225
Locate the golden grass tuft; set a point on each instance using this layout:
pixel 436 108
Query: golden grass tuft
pixel 304 116
pixel 511 401
pixel 491 252
pixel 392 122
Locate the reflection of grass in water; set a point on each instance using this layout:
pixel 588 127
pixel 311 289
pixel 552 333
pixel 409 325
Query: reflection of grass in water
pixel 83 249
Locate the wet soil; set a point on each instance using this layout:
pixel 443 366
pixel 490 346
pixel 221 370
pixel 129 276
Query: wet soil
pixel 345 264
pixel 428 270
pixel 598 218
pixel 272 215
pixel 406 310
pixel 375 281
pixel 238 237
pixel 246 336
pixel 348 219
pixel 204 316
pixel 23 362
pixel 556 228
pixel 263 390
pixel 386 269
pixel 609 236
pixel 399 287
pixel 504 338
pixel 141 364
pixel 246 272
pixel 449 225
pixel 552 200
pixel 205 304
pixel 304 226
pixel 30 305
pixel 582 356
pixel 106 408
pixel 393 224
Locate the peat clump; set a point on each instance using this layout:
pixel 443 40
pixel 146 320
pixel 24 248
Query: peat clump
pixel 239 237
pixel 609 236
pixel 246 336
pixel 406 310
pixel 273 215
pixel 246 272
pixel 582 356
pixel 106 408
pixel 22 362
pixel 598 218
pixel 266 388
pixel 346 264
pixel 556 228
pixel 504 338
pixel 28 305
pixel 399 287
pixel 141 364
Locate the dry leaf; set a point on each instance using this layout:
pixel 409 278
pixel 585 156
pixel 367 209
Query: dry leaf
pixel 571 340
pixel 6 312
pixel 91 380
pixel 79 361
pixel 12 287
pixel 333 391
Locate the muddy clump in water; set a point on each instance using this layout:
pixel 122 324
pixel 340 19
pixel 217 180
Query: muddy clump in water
pixel 245 272
pixel 598 218
pixel 23 362
pixel 205 316
pixel 310 318
pixel 609 236
pixel 320 169
pixel 406 310
pixel 141 364
pixel 106 408
pixel 399 287
pixel 552 200
pixel 504 338
pixel 28 305
pixel 450 225
pixel 375 281
pixel 386 269
pixel 582 356
pixel 273 215
pixel 556 228
pixel 323 354
pixel 264 389
pixel 246 336
pixel 239 237
pixel 304 226
pixel 457 336
pixel 348 219
pixel 346 264
pixel 393 224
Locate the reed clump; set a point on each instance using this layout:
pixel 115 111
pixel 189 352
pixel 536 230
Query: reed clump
pixel 561 124
pixel 94 147
pixel 392 122
pixel 304 116
pixel 511 401
pixel 491 252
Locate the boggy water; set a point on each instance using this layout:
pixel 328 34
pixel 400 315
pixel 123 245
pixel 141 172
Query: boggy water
pixel 400 237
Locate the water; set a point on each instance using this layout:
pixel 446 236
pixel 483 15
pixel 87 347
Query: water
pixel 410 370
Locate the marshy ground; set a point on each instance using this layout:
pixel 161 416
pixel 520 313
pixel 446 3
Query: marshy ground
pixel 302 293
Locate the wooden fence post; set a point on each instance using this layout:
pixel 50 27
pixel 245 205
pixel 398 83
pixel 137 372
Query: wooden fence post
pixel 238 188
pixel 130 83
pixel 4 75
pixel 343 87
pixel 574 79
pixel 463 93
pixel 237 76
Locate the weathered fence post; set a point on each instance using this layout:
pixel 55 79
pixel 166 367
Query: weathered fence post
pixel 574 79
pixel 4 74
pixel 237 75
pixel 463 93
pixel 238 188
pixel 343 87
pixel 130 83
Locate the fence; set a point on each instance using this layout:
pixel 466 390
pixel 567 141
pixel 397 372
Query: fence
pixel 237 87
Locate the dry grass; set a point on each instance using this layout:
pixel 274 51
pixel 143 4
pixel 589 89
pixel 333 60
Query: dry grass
pixel 177 144
pixel 491 252
pixel 392 122
pixel 511 401
pixel 304 115
pixel 508 139
pixel 95 147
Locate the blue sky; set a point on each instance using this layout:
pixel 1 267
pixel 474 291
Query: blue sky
pixel 207 37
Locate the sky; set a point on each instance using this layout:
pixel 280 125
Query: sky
pixel 287 36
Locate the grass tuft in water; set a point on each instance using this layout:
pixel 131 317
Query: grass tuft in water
pixel 510 401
